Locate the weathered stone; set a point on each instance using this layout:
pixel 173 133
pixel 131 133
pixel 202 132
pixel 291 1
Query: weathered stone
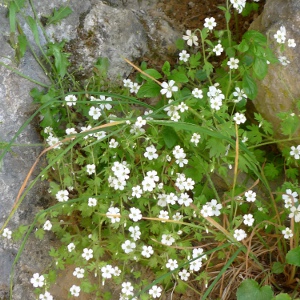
pixel 279 90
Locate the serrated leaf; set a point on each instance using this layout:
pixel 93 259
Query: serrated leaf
pixel 60 14
pixel 195 60
pixel 249 290
pixel 293 257
pixel 249 86
pixel 149 89
pixel 243 46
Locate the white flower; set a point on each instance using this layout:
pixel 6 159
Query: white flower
pixel 92 202
pixel 168 88
pixel 287 233
pixel 62 196
pixel 185 199
pixel 167 239
pixel 172 264
pixel 196 265
pixel 197 93
pixel 107 106
pixel 182 107
pixel 53 140
pixel 113 214
pixel 135 232
pixel 175 116
pixel 37 280
pixel 134 88
pixel 184 56
pixel 295 151
pixel 47 226
pixel 184 275
pixel 7 233
pixel 239 118
pixel 135 214
pixel 71 100
pixel 128 246
pixel 280 35
pixel 70 131
pixel 238 4
pixel 291 43
pixel 71 247
pixel 191 38
pixel 248 219
pixel 113 143
pixel 211 209
pixel 87 253
pixel 283 60
pixel 240 94
pixel 177 217
pixel 171 198
pixel 233 63
pixel 289 198
pixel 99 135
pixel 210 23
pixel 218 49
pixel 78 272
pixel 45 296
pixel 239 234
pixel 250 196
pixel 107 271
pixel 116 271
pixel 151 153
pixel 163 214
pixel 127 288
pixel 48 130
pixel 155 291
pixel 95 112
pixel 195 138
pixel 147 251
pixel 295 212
pixel 127 83
pixel 140 122
pixel 136 191
pixel 75 290
pixel 90 169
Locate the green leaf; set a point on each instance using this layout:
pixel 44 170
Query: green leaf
pixel 34 28
pixel 216 147
pixel 255 37
pixel 249 86
pixel 227 16
pixel 249 290
pixel 283 297
pixel 293 257
pixel 260 68
pixel 178 77
pixel 153 73
pixel 22 44
pixel 12 16
pixel 249 7
pixel 243 46
pixel 277 267
pixel 270 171
pixel 195 60
pixel 170 137
pixel 201 75
pixel 166 68
pixel 180 44
pixel 149 89
pixel 61 61
pixel 208 68
pixel 59 14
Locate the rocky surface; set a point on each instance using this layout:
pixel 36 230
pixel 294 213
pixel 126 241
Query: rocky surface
pixel 279 90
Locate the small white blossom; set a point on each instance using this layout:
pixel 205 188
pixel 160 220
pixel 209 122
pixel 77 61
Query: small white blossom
pixel 87 253
pixel 75 290
pixel 191 38
pixel 248 219
pixel 136 191
pixel 295 151
pixel 283 60
pixel 78 272
pixel 134 88
pixel 295 213
pixel 62 196
pixel 128 246
pixel 240 94
pixel 71 100
pixel 280 35
pixel 90 169
pixel 218 49
pixel 233 63
pixel 184 56
pixel 113 143
pixel 151 153
pixel 197 93
pixel 92 202
pixel 287 233
pixel 250 196
pixel 95 112
pixel 239 118
pixel 37 280
pixel 7 233
pixel 210 23
pixel 184 275
pixel 155 291
pixel 172 264
pixel 135 214
pixel 147 251
pixel 291 43
pixel 45 296
pixel 71 247
pixel 113 214
pixel 167 239
pixel 239 234
pixel 168 88
pixel 47 226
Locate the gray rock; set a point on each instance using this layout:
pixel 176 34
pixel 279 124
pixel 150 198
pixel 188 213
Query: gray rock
pixel 280 88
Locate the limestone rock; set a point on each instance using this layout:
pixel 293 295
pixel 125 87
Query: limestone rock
pixel 279 90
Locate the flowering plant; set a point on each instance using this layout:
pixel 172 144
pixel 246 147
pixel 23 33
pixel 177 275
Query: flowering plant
pixel 137 191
